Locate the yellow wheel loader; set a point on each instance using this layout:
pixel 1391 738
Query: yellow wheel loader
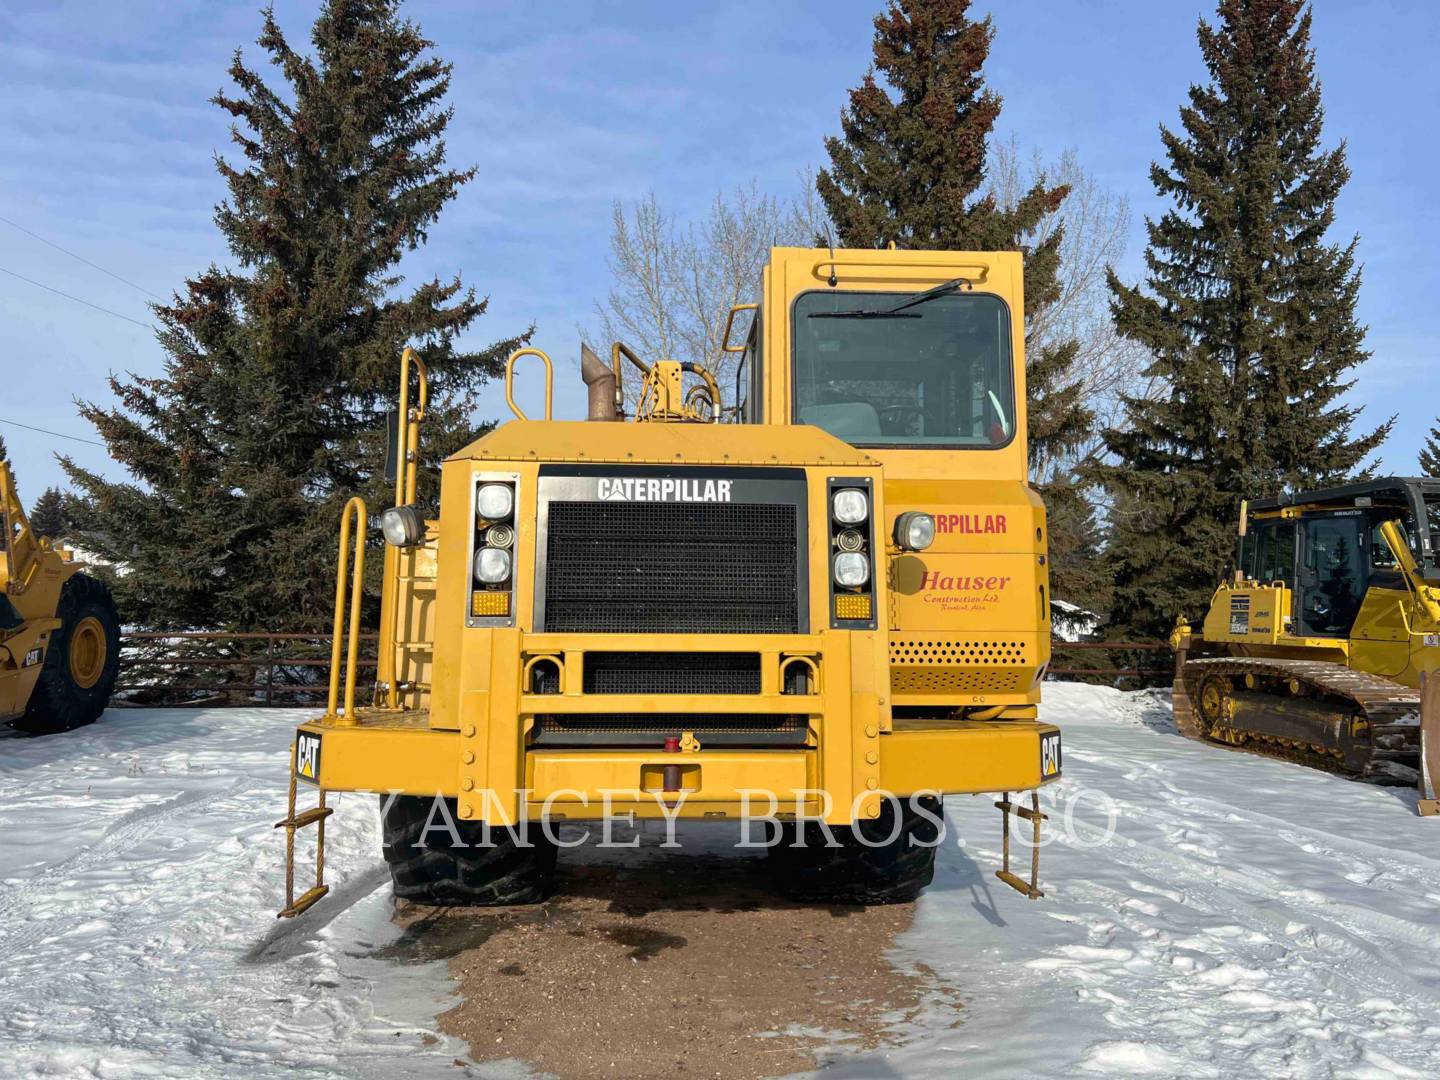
pixel 1320 645
pixel 59 632
pixel 816 596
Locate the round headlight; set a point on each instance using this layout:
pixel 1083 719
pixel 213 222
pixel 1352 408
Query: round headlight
pixel 852 570
pixel 402 526
pixel 499 536
pixel 850 506
pixel 914 531
pixel 492 566
pixel 495 501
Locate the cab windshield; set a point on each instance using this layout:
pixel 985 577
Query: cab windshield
pixel 874 371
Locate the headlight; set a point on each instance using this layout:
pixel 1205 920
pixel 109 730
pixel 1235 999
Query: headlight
pixel 914 531
pixel 492 566
pixel 495 502
pixel 852 570
pixel 850 506
pixel 402 526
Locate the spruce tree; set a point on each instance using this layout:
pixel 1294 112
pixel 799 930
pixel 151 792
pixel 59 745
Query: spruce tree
pixel 1430 452
pixel 1078 572
pixel 4 454
pixel 269 413
pixel 1249 314
pixel 47 516
pixel 910 169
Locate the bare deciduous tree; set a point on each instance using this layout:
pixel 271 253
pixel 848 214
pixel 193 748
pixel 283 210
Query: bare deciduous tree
pixel 1096 223
pixel 675 282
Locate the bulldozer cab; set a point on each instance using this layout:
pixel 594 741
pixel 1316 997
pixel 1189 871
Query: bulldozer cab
pixel 1318 568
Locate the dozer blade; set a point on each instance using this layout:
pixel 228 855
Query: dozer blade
pixel 1183 708
pixel 1430 747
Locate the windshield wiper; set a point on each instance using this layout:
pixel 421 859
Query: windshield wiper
pixel 896 311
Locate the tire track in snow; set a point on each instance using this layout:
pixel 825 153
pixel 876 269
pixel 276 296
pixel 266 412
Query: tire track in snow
pixel 1312 953
pixel 132 829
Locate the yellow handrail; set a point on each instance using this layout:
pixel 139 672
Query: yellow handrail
pixel 617 350
pixel 406 482
pixel 889 267
pixel 510 381
pixel 406 473
pixel 356 513
pixel 725 345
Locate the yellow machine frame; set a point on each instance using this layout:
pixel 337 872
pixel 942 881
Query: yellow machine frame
pixel 937 695
pixel 32 573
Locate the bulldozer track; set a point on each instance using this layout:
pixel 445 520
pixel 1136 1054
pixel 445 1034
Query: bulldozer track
pixel 1387 707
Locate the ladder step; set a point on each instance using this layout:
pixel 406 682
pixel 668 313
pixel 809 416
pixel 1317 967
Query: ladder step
pixel 1017 884
pixel 304 902
pixel 1022 811
pixel 307 817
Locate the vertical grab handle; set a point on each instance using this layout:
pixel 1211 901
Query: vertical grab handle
pixel 406 483
pixel 352 519
pixel 510 381
pixel 407 475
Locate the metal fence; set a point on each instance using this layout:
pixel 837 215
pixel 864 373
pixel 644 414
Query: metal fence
pixel 223 669
pixel 1133 653
pixel 217 668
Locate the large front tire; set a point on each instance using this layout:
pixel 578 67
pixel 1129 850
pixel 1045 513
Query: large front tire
pixel 428 867
pixel 81 662
pixel 881 860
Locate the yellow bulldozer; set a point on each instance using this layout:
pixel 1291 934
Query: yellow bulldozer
pixel 1323 647
pixel 818 596
pixel 59 631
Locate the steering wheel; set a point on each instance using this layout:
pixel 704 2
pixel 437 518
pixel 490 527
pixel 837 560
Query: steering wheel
pixel 891 414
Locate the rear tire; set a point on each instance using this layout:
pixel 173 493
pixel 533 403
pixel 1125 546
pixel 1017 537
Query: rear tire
pixel 81 663
pixel 857 872
pixel 473 874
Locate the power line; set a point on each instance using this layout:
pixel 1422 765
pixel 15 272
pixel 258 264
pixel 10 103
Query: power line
pixel 81 258
pixel 87 303
pixel 57 434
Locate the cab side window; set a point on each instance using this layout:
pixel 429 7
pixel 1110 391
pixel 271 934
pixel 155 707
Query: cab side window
pixel 1381 557
pixel 1269 552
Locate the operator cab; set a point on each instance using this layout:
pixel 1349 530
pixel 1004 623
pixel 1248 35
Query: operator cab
pixel 881 370
pixel 925 371
pixel 1330 551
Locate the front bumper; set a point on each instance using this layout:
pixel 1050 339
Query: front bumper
pixel 851 757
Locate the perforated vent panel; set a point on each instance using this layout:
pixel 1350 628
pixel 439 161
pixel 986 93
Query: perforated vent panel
pixel 672 673
pixel 652 729
pixel 960 665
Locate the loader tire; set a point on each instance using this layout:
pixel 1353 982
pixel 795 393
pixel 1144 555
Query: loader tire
pixel 81 663
pixel 857 871
pixel 473 874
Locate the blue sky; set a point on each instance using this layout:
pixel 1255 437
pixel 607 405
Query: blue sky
pixel 108 143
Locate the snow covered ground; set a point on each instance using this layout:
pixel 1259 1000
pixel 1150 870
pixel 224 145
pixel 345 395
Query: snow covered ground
pixel 1244 917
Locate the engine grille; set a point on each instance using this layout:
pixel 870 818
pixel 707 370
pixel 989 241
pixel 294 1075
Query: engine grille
pixel 671 673
pixel 648 567
pixel 652 729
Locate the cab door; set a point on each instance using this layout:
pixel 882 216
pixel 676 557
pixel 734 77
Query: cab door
pixel 1332 575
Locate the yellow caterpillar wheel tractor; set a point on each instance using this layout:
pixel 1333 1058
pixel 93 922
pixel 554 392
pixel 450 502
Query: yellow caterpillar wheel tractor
pixel 59 632
pixel 1321 643
pixel 820 602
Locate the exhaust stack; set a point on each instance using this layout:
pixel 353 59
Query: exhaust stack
pixel 601 382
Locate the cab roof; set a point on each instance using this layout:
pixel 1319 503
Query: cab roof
pixel 1400 488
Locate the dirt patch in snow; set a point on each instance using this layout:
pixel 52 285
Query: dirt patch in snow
pixel 650 963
